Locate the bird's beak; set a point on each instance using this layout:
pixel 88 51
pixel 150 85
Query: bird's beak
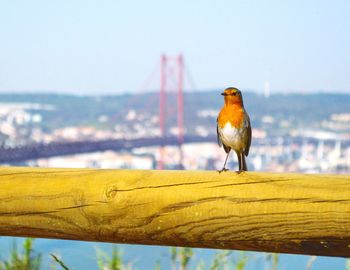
pixel 222 94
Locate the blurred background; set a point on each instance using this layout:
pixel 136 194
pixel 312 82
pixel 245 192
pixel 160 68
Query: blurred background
pixel 112 84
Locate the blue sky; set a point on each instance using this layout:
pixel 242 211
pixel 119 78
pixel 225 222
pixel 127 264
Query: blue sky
pixel 99 47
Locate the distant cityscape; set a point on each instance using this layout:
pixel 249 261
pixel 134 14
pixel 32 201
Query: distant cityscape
pixel 291 133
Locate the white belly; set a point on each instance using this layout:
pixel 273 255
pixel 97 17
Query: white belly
pixel 233 137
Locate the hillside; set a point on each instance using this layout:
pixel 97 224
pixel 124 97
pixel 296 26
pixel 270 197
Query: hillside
pixel 287 110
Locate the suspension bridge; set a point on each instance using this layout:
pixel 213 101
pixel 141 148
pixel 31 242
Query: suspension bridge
pixel 37 151
pixel 171 71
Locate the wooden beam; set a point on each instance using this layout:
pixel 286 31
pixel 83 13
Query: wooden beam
pixel 288 213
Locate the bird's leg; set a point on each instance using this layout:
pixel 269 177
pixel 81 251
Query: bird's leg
pixel 242 163
pixel 223 168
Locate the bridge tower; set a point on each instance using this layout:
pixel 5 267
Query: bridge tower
pixel 171 69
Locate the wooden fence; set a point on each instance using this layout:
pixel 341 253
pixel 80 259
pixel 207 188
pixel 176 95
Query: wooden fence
pixel 288 213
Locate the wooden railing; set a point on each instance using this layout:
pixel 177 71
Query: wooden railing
pixel 288 213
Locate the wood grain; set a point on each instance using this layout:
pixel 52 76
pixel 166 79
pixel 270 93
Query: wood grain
pixel 288 213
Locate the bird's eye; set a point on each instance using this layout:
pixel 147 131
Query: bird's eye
pixel 234 93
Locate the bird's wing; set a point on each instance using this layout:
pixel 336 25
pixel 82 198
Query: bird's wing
pixel 226 148
pixel 218 134
pixel 249 135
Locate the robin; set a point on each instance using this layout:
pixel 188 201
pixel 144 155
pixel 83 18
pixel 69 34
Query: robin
pixel 233 127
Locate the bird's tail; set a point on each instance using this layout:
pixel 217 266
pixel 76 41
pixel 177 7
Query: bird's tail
pixel 242 162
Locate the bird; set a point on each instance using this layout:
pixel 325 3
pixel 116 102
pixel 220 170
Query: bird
pixel 233 128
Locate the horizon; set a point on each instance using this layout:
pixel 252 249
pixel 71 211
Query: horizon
pixel 186 91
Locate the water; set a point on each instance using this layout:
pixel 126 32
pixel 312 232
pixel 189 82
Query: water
pixel 82 255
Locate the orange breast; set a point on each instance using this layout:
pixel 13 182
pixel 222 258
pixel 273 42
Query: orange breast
pixel 233 114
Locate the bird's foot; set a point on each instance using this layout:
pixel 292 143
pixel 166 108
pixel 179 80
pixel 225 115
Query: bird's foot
pixel 240 171
pixel 222 170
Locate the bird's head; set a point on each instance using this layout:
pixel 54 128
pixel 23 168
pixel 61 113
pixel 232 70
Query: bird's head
pixel 232 95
